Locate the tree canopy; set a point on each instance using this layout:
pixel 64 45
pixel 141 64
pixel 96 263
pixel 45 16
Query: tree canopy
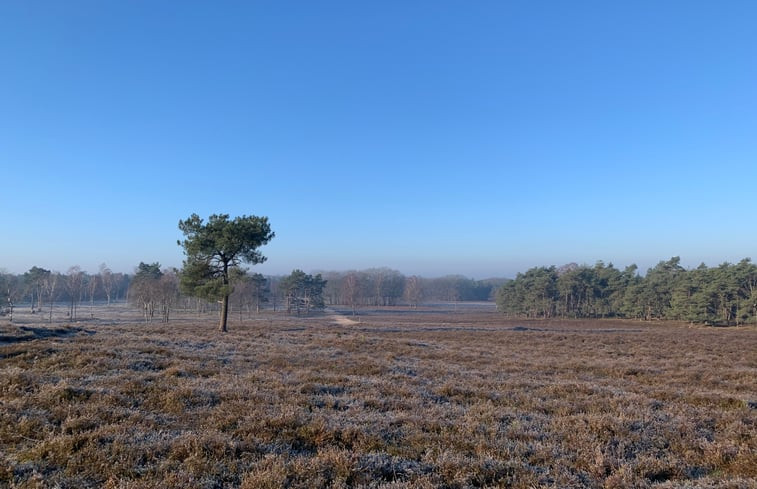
pixel 36 277
pixel 303 291
pixel 726 294
pixel 214 249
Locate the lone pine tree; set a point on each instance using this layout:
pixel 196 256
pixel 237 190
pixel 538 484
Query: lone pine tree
pixel 214 249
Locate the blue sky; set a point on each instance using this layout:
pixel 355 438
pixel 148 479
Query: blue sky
pixel 434 137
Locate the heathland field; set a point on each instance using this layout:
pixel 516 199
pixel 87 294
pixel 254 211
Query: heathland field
pixel 392 398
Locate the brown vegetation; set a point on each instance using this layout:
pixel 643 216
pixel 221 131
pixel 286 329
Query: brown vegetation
pixel 412 399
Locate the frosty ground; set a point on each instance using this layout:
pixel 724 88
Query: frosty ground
pixel 440 396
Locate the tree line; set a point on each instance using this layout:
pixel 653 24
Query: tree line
pixel 157 290
pixel 375 287
pixel 39 289
pixel 216 249
pixel 213 273
pixel 722 295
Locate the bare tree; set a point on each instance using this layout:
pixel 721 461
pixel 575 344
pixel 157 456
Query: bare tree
pixel 145 288
pixel 167 290
pixel 351 291
pixel 106 280
pixel 121 282
pixel 273 286
pixel 74 285
pixel 35 277
pixel 413 291
pixel 387 285
pixel 332 294
pixel 92 283
pixel 250 291
pixel 50 283
pixel 11 291
pixel 259 290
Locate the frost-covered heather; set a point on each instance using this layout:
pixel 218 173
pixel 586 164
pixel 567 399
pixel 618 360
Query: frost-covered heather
pixel 398 399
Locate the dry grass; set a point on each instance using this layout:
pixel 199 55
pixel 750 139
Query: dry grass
pixel 396 400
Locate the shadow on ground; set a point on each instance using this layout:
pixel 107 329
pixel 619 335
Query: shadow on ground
pixel 28 333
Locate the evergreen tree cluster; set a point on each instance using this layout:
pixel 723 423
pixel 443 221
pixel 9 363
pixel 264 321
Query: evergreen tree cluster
pixel 303 292
pixel 722 295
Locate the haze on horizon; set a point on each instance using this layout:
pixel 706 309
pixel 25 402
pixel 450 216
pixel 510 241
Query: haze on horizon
pixel 433 138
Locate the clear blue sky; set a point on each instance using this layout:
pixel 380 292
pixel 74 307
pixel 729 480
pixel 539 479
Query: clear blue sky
pixel 434 137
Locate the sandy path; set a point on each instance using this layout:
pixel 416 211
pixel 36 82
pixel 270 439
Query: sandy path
pixel 341 319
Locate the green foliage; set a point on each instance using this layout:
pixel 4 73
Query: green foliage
pixel 200 280
pixel 214 249
pixel 154 290
pixel 221 240
pixel 531 294
pixel 726 294
pixel 148 271
pixel 7 288
pixel 35 279
pixel 36 275
pixel 303 291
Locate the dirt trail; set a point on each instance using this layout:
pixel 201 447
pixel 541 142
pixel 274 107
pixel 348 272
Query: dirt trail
pixel 341 319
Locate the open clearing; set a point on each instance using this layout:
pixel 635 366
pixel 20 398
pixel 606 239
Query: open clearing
pixel 391 398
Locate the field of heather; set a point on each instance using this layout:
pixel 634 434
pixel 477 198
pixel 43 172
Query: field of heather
pixel 393 398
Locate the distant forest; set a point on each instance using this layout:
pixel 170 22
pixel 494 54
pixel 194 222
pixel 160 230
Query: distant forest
pixel 722 295
pixel 157 291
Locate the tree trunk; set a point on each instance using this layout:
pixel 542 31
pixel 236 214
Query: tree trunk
pixel 224 314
